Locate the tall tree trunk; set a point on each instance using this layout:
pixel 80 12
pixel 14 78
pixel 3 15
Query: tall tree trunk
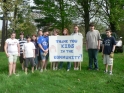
pixel 85 5
pixel 3 27
pixel 87 21
pixel 6 28
pixel 113 27
pixel 3 32
pixel 15 15
pixel 61 2
pixel 112 15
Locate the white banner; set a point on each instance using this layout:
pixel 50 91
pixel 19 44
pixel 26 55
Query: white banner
pixel 65 48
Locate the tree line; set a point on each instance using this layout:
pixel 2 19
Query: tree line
pixel 59 14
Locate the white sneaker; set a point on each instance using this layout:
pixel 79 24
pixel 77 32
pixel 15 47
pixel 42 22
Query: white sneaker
pixel 110 73
pixel 75 68
pixel 32 71
pixel 26 73
pixel 54 68
pixel 35 68
pixel 105 71
pixel 41 70
pixel 67 69
pixel 16 74
pixel 45 69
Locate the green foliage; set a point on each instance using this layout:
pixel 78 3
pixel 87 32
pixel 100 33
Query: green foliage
pixel 112 13
pixel 27 27
pixel 19 16
pixel 61 81
pixel 55 13
pixel 116 8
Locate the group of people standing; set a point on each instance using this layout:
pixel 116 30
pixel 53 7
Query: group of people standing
pixel 93 40
pixel 35 50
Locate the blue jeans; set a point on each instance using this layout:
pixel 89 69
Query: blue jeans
pixel 44 57
pixel 93 58
pixel 68 65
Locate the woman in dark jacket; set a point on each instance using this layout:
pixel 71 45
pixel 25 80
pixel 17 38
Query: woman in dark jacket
pixel 34 40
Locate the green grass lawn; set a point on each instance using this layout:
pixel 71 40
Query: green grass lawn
pixel 61 81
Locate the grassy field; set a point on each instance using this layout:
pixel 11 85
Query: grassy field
pixel 61 81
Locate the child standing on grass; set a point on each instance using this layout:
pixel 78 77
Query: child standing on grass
pixel 55 64
pixel 29 54
pixel 34 41
pixel 108 51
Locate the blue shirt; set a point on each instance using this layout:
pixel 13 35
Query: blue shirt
pixel 44 41
pixel 108 43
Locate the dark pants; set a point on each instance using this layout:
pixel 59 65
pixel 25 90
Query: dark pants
pixel 93 58
pixel 21 59
pixel 39 56
pixel 27 60
pixel 36 59
pixel 68 65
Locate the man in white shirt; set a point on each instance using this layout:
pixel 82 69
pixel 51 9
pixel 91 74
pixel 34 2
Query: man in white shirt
pixel 12 50
pixel 28 53
pixel 76 33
